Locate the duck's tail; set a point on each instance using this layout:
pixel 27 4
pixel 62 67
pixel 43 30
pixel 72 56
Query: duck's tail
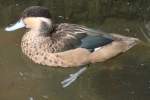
pixel 119 45
pixel 128 42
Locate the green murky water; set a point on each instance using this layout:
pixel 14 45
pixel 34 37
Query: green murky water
pixel 125 77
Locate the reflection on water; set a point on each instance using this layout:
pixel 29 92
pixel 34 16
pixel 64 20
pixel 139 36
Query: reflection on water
pixel 126 77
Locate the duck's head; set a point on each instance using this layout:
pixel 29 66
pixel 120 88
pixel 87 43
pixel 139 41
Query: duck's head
pixel 35 18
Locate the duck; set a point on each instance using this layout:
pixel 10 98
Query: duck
pixel 65 44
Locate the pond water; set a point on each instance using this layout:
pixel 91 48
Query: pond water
pixel 125 77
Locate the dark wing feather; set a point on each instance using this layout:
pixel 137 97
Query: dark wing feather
pixel 92 42
pixel 73 36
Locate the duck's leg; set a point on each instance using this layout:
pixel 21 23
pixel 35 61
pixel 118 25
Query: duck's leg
pixel 72 77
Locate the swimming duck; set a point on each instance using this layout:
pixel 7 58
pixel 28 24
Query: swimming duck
pixel 66 45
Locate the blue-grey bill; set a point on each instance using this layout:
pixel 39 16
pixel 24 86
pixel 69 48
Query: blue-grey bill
pixel 18 25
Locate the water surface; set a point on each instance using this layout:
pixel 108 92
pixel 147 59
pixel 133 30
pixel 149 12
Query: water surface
pixel 125 77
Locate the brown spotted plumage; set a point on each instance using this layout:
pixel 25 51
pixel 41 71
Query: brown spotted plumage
pixel 67 45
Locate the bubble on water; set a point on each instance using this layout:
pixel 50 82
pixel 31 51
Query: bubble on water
pixel 127 30
pixel 61 16
pixel 21 74
pixel 31 98
pixel 142 64
pixel 45 96
pixel 17 4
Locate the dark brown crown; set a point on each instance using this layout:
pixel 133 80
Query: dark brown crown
pixel 36 11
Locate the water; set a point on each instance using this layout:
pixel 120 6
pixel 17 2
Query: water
pixel 125 77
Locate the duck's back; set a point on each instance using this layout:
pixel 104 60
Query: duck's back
pixel 70 36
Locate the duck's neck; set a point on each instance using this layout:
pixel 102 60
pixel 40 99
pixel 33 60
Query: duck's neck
pixel 33 41
pixel 46 26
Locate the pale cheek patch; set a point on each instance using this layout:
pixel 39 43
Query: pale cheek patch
pixel 32 22
pixel 35 22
